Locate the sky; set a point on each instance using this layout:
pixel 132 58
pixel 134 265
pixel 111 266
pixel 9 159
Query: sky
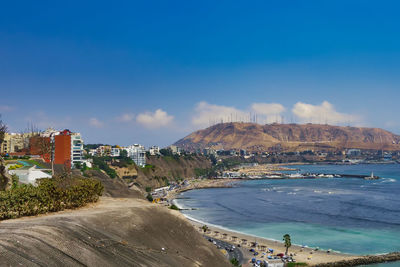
pixel 151 72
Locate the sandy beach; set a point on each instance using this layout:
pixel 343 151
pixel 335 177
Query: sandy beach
pixel 307 255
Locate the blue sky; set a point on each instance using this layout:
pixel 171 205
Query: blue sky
pixel 151 72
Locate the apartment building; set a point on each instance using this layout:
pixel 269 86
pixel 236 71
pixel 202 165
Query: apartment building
pixel 137 153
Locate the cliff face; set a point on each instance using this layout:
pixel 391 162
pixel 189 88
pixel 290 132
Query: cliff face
pixel 167 168
pixel 289 137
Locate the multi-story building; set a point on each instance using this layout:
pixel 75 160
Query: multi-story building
pixel 76 149
pixel 14 142
pixel 103 151
pixel 115 152
pixel 175 150
pixel 154 150
pixel 138 154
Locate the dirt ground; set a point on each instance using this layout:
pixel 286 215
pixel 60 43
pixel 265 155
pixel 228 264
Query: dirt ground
pixel 113 232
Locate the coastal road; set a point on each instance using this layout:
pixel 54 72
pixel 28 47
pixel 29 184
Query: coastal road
pixel 235 253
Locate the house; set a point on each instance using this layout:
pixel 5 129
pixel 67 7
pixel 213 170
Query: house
pixel 154 150
pixel 175 150
pixel 115 152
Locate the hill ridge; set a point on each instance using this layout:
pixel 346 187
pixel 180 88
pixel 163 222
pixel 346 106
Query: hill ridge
pixel 289 137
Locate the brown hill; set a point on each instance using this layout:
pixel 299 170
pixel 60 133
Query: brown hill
pixel 289 137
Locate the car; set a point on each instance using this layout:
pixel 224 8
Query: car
pixel 253 260
pixel 280 255
pixel 252 250
pixel 239 245
pixel 255 253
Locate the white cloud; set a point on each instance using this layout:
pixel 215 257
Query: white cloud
pixel 126 117
pixel 267 112
pixel 156 119
pixel 96 123
pixel 324 113
pixel 207 114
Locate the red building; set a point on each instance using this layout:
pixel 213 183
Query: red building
pixel 62 151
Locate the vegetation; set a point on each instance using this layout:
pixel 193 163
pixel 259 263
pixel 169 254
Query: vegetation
pixel 101 163
pixel 3 130
pixel 205 228
pixel 288 243
pixel 295 264
pixel 148 189
pixel 14 167
pixel 235 262
pixel 174 207
pixel 149 197
pixel 51 194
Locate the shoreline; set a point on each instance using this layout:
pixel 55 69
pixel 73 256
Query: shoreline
pixel 302 254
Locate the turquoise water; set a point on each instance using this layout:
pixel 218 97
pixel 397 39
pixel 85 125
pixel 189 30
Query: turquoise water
pixel 349 215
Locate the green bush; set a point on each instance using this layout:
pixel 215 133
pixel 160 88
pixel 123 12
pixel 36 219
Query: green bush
pixel 235 262
pixel 295 264
pixel 149 197
pixel 101 163
pixel 148 189
pixel 51 194
pixel 174 207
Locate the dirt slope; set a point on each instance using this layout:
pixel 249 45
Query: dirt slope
pixel 115 232
pixel 170 169
pixel 289 137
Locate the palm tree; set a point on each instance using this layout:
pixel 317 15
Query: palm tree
pixel 205 228
pixel 288 243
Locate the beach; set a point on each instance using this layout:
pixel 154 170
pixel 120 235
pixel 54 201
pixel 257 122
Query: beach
pixel 307 255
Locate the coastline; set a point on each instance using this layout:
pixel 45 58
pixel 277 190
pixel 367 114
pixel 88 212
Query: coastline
pixel 308 255
pixel 301 254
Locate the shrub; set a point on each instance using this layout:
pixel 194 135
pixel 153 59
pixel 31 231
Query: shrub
pixel 149 197
pixel 234 262
pixel 295 264
pixel 174 207
pixel 51 194
pixel 148 189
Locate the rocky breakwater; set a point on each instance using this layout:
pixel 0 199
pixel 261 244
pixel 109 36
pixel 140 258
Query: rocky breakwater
pixel 390 257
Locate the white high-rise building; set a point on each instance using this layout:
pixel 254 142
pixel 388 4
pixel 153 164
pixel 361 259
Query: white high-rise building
pixel 138 154
pixel 76 148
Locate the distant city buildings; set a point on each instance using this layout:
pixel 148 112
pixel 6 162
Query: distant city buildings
pixel 15 142
pixel 65 146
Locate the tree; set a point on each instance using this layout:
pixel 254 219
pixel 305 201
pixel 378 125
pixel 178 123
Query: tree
pixel 205 228
pixel 3 130
pixel 123 153
pixel 288 243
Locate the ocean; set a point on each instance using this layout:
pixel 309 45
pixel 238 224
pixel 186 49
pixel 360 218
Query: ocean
pixel 348 215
